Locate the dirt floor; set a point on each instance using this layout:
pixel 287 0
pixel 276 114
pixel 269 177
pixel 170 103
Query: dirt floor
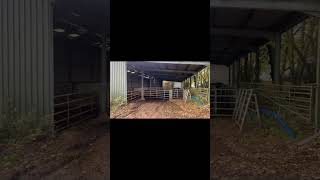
pixel 80 152
pixel 255 155
pixel 177 109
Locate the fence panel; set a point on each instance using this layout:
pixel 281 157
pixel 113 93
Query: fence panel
pixel 295 99
pixel 70 109
pixel 177 93
pixel 293 102
pixel 223 101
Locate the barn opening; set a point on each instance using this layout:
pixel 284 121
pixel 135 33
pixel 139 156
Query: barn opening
pixel 242 37
pixel 265 88
pixel 81 41
pixel 159 89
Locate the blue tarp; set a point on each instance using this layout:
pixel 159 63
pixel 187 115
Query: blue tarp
pixel 280 121
pixel 196 99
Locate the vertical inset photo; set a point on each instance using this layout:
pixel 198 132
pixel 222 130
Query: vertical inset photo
pixel 159 90
pixel 53 89
pixel 265 92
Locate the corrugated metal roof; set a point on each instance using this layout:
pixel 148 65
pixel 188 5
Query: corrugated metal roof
pixel 171 71
pixel 236 31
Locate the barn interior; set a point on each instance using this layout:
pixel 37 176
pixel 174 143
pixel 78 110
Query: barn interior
pixel 253 118
pixel 81 43
pixel 154 85
pixel 238 30
pixel 158 71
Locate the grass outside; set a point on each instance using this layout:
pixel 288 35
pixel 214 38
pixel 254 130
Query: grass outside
pixel 116 102
pixel 17 129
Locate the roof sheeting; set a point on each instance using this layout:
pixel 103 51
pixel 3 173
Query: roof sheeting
pixel 171 71
pixel 236 29
pixel 285 5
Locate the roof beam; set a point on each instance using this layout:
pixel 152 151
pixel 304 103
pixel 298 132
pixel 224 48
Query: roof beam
pixel 285 5
pixel 248 33
pixel 182 62
pixel 315 14
pixel 170 71
pixel 172 78
pixel 162 75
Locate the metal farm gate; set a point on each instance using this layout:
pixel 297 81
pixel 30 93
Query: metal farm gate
pixel 223 101
pixel 177 93
pixel 291 101
pixel 71 109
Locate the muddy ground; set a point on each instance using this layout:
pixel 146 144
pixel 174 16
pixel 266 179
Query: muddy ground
pixel 81 152
pixel 176 109
pixel 256 155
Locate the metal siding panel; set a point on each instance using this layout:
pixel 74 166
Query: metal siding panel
pixel 11 50
pixel 23 57
pixel 112 66
pixel 28 57
pixel 110 79
pixel 51 57
pixel 1 57
pixel 46 74
pixel 34 70
pixel 40 56
pixel 118 78
pixel 16 65
pixel 5 51
pixel 125 80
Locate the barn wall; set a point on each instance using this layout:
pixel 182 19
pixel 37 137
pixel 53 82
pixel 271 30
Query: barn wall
pixel 76 61
pixel 219 74
pixel 26 55
pixel 118 79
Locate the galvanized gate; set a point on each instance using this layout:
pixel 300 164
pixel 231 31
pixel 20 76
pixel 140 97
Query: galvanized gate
pixel 71 109
pixel 223 101
pixel 295 102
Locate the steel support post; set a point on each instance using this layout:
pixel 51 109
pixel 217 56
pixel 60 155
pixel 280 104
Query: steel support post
pixel 103 81
pixel 317 103
pixel 237 73
pixel 258 66
pixel 229 74
pixel 142 89
pixel 233 75
pixel 277 58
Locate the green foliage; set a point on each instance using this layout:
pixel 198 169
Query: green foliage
pixel 299 51
pixel 200 79
pixel 201 96
pixel 18 127
pixel 116 102
pixel 298 55
pixel 8 160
